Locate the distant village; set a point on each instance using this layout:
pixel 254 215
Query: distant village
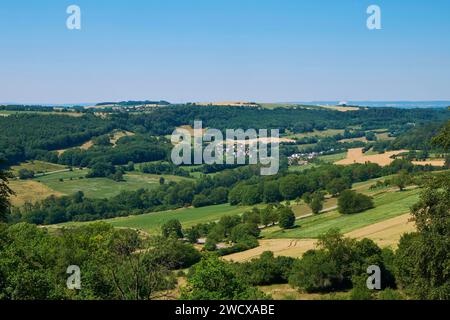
pixel 302 159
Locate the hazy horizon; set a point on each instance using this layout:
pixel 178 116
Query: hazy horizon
pixel 366 103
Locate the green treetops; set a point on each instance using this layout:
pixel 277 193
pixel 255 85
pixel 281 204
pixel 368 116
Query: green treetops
pixel 286 217
pixel 5 193
pixel 172 228
pixel 214 279
pixel 352 202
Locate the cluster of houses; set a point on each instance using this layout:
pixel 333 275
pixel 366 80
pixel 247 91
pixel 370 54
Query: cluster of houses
pixel 301 159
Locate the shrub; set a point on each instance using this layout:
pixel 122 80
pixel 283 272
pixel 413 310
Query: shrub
pixel 286 217
pixel 172 228
pixel 352 202
pixel 25 174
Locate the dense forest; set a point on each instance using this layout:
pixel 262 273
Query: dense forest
pixel 32 136
pixel 163 120
pixel 44 134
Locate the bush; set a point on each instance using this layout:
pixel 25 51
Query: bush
pixel 360 290
pixel 266 269
pixel 172 228
pixel 337 264
pixel 243 231
pixel 244 245
pixel 214 279
pixel 389 294
pixel 286 217
pixel 315 272
pixel 352 202
pixel 316 203
pixel 25 174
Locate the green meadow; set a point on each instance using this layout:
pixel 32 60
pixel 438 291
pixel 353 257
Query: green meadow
pixel 387 205
pixel 70 182
pixel 152 222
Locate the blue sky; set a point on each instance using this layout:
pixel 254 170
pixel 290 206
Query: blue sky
pixel 220 50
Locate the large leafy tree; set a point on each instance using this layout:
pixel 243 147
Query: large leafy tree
pixel 423 258
pixel 214 279
pixel 286 217
pixel 352 202
pixel 5 193
pixel 443 138
pixel 114 264
pixel 336 263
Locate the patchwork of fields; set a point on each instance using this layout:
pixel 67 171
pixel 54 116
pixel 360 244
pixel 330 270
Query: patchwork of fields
pixel 384 224
pixel 387 205
pixel 58 180
pixel 386 233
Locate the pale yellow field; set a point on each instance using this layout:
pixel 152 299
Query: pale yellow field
pixel 279 247
pixel 84 146
pixel 29 191
pixel 342 109
pixel 356 155
pixel 190 129
pixel 435 163
pixel 120 134
pixel 87 145
pixel 362 139
pixel 386 234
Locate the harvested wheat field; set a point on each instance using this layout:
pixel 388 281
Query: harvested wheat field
pixel 386 234
pixel 279 247
pixel 84 146
pixel 191 130
pixel 434 163
pixel 356 155
pixel 120 134
pixel 30 191
pixel 342 108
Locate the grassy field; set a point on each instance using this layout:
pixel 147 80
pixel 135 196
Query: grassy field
pixel 317 133
pixel 152 222
pixel 302 168
pixel 37 166
pixel 74 181
pixel 387 205
pixel 386 233
pixel 331 158
pixel 29 191
pixel 384 136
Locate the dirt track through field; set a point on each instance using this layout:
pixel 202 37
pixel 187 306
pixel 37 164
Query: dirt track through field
pixel 385 233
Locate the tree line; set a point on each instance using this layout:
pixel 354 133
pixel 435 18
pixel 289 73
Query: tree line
pixel 240 186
